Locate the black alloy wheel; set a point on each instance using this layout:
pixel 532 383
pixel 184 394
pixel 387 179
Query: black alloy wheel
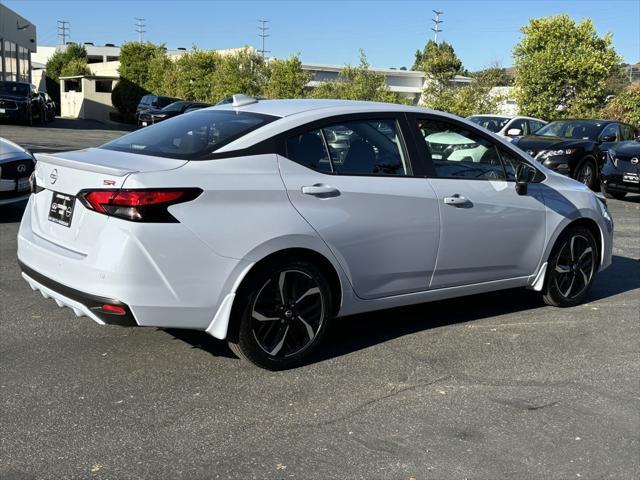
pixel 572 268
pixel 286 312
pixel 587 174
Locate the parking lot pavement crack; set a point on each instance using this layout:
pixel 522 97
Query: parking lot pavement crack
pixel 369 403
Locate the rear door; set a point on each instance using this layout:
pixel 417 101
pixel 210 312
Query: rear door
pixel 352 180
pixel 488 231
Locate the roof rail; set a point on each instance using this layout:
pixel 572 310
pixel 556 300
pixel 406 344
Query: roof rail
pixel 240 100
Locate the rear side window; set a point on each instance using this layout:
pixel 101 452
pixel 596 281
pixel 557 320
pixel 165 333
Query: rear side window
pixel 309 149
pixel 360 147
pixel 190 137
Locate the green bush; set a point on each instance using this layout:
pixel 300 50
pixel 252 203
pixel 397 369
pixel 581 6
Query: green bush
pixel 626 106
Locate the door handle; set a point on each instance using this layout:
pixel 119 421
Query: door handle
pixel 321 190
pixel 457 200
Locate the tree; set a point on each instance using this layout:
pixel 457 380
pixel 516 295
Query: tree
pixel 439 61
pixel 135 58
pixel 75 66
pixel 287 79
pixel 562 68
pixel 242 72
pixel 626 106
pixel 161 75
pixel 470 99
pixel 61 58
pixel 193 75
pixel 358 83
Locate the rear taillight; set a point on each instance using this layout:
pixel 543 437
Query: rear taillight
pixel 143 205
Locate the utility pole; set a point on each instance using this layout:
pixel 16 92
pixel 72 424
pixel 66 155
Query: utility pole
pixel 63 31
pixel 140 25
pixel 263 29
pixel 436 24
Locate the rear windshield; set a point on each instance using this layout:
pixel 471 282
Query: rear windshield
pixel 190 137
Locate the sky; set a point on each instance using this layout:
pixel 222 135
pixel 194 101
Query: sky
pixel 483 33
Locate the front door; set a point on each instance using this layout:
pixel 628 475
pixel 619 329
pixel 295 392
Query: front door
pixel 488 231
pixel 353 182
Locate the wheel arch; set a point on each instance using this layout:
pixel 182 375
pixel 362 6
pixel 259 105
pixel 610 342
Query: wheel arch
pixel 298 253
pixel 590 225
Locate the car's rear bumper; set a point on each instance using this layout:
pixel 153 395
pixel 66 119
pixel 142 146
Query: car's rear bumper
pixel 163 275
pixel 82 304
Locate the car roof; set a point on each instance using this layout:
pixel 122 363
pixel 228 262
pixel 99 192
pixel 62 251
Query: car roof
pixel 289 107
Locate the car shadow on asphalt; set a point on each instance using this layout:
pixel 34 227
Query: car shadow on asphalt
pixel 12 212
pixel 357 332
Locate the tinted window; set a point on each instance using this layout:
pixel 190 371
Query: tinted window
pixel 175 107
pixel 611 130
pixel 493 124
pixel 366 147
pixel 577 129
pixel 520 124
pixel 627 132
pixel 460 153
pixel 11 88
pixel 190 137
pixel 146 100
pixel 309 150
pixel 535 125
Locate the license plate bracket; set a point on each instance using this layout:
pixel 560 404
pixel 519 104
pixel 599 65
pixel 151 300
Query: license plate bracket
pixel 61 209
pixel 631 177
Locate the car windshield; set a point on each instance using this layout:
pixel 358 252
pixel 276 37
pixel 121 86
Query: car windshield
pixel 577 129
pixel 493 124
pixel 174 107
pixel 14 88
pixel 190 137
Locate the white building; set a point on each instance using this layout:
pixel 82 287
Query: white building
pixel 407 83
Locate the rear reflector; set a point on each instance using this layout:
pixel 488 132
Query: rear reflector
pixel 148 205
pixel 114 309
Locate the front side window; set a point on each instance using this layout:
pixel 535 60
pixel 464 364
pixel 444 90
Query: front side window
pixel 457 152
pixel 190 137
pixel 535 125
pixel 491 123
pixel 520 124
pixel 611 130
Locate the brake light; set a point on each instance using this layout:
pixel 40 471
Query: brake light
pixel 142 205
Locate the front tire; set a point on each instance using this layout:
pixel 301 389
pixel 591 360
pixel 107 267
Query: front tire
pixel 285 310
pixel 571 268
pixel 587 173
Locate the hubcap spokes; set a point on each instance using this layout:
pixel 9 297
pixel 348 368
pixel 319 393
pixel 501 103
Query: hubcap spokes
pixel 586 174
pixel 575 267
pixel 287 313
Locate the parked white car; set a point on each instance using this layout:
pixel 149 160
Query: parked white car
pixel 261 221
pixel 508 126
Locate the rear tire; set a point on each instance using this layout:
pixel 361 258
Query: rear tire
pixel 571 268
pixel 283 315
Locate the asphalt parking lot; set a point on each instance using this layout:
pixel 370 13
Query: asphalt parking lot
pixel 490 386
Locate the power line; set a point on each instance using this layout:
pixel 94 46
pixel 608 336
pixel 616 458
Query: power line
pixel 263 29
pixel 64 31
pixel 140 27
pixel 436 24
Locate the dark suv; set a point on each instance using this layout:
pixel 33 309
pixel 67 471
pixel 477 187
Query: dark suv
pixel 576 148
pixel 20 101
pixel 153 101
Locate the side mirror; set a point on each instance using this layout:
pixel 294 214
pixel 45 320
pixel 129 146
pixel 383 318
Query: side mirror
pixel 514 132
pixel 525 174
pixel 608 138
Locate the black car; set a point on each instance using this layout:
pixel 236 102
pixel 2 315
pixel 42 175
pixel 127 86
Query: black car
pixel 153 102
pixel 50 106
pixel 576 147
pixel 621 172
pixel 19 101
pixel 16 166
pixel 174 109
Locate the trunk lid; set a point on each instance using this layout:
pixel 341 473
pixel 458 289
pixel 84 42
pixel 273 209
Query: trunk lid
pixel 64 175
